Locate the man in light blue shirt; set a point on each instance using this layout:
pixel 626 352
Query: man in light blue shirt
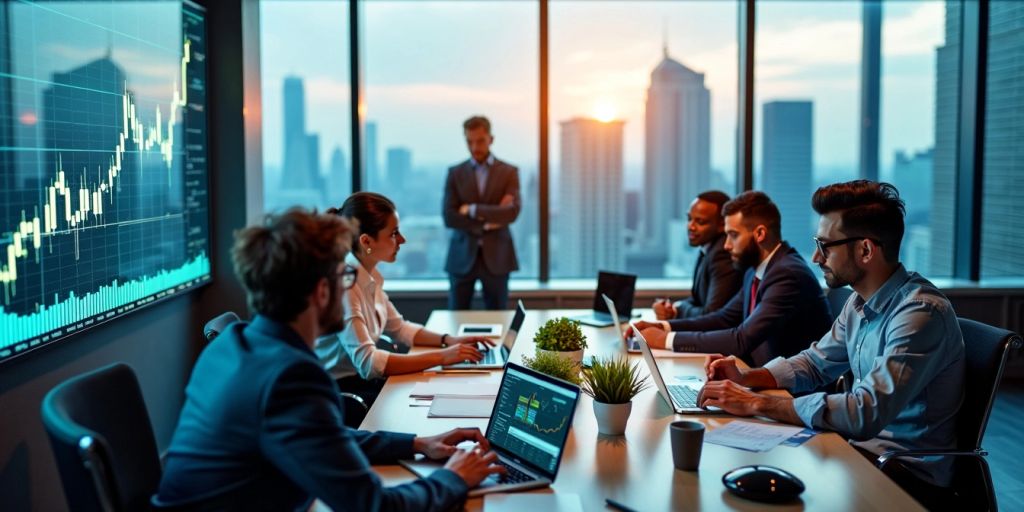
pixel 898 335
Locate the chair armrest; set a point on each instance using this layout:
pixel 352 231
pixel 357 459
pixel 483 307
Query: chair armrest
pixel 887 457
pixel 354 398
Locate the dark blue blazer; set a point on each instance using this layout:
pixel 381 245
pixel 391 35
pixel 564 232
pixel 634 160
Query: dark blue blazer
pixel 791 313
pixel 262 429
pixel 715 282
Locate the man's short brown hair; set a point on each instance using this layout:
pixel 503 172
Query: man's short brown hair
pixel 477 122
pixel 756 207
pixel 281 262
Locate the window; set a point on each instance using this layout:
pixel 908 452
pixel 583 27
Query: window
pixel 813 75
pixel 643 118
pixel 1002 220
pixel 306 103
pixel 449 61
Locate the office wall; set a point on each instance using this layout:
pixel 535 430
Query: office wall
pixel 160 342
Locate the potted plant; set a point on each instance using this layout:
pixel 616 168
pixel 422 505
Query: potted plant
pixel 613 383
pixel 550 363
pixel 563 337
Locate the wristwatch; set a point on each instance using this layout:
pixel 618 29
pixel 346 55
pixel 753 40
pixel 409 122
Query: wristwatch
pixel 444 344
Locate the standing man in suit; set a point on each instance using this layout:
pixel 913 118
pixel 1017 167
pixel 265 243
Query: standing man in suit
pixel 262 426
pixel 715 279
pixel 781 308
pixel 481 199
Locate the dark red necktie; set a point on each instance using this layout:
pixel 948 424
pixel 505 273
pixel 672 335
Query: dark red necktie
pixel 753 295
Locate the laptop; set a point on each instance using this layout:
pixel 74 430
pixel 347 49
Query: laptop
pixel 631 344
pixel 528 429
pixel 682 397
pixel 496 357
pixel 621 288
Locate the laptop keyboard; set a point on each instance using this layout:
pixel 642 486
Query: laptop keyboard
pixel 685 397
pixel 489 357
pixel 514 476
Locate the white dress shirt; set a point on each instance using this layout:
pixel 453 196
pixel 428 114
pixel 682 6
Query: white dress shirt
pixel 758 274
pixel 368 314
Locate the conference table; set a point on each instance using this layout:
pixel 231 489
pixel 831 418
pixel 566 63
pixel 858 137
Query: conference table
pixel 636 469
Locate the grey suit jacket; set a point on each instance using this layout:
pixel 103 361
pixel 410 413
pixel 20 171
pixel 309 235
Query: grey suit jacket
pixel 715 281
pixel 468 234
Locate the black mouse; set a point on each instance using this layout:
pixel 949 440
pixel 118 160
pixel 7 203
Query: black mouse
pixel 763 483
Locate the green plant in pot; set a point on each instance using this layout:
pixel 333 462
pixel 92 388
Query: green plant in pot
pixel 551 364
pixel 612 383
pixel 563 337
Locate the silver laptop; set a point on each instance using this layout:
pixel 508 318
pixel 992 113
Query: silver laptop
pixel 632 346
pixel 528 429
pixel 496 357
pixel 682 397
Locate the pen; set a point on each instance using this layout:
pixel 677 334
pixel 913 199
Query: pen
pixel 618 506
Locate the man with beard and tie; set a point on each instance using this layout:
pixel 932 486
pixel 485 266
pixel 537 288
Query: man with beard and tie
pixel 898 335
pixel 261 428
pixel 779 311
pixel 715 279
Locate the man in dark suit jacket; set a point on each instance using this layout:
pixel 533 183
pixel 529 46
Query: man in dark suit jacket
pixel 481 199
pixel 781 308
pixel 715 279
pixel 262 427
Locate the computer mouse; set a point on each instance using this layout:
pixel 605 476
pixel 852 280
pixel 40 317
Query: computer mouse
pixel 763 483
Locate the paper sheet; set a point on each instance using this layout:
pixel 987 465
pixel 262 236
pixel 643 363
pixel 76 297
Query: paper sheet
pixel 558 501
pixel 459 385
pixel 448 406
pixel 751 436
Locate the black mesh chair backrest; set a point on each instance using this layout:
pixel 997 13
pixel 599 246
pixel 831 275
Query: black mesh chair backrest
pixel 104 407
pixel 985 351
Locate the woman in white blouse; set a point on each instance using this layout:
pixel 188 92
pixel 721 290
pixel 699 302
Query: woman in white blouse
pixel 352 356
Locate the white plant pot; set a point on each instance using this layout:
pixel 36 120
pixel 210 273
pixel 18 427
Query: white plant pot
pixel 611 418
pixel 575 356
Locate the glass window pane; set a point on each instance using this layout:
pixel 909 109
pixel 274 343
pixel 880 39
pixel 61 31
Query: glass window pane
pixel 429 67
pixel 643 118
pixel 1002 217
pixel 918 133
pixel 306 103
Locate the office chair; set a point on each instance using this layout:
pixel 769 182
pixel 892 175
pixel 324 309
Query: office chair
pixel 103 440
pixel 986 350
pixel 355 407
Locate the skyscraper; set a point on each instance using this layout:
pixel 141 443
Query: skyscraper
pixel 677 148
pixel 399 165
pixel 338 181
pixel 591 226
pixel 947 105
pixel 301 166
pixel 371 167
pixel 912 175
pixel 787 167
pixel 1004 124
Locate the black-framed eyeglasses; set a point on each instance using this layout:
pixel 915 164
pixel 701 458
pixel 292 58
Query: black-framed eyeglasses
pixel 348 276
pixel 823 245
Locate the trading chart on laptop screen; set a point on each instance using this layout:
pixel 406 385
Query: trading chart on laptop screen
pixel 103 177
pixel 532 418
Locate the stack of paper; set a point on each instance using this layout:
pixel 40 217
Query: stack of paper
pixel 449 406
pixel 750 436
pixel 457 385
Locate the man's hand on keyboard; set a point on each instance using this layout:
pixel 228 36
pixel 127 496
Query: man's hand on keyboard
pixel 485 343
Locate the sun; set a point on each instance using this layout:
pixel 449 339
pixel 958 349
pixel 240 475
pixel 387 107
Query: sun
pixel 604 111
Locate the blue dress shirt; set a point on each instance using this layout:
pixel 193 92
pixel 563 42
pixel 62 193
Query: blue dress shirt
pixel 906 353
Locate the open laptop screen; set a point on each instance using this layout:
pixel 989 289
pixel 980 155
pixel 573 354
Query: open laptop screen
pixel 531 418
pixel 620 288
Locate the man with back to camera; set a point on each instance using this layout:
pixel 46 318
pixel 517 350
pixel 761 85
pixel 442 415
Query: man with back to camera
pixel 898 335
pixel 261 428
pixel 715 279
pixel 481 199
pixel 779 311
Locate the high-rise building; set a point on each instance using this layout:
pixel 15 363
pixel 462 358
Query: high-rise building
pixel 525 228
pixel 371 167
pixel 591 224
pixel 399 167
pixel 912 176
pixel 1004 124
pixel 947 105
pixel 300 169
pixel 787 166
pixel 677 148
pixel 338 180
